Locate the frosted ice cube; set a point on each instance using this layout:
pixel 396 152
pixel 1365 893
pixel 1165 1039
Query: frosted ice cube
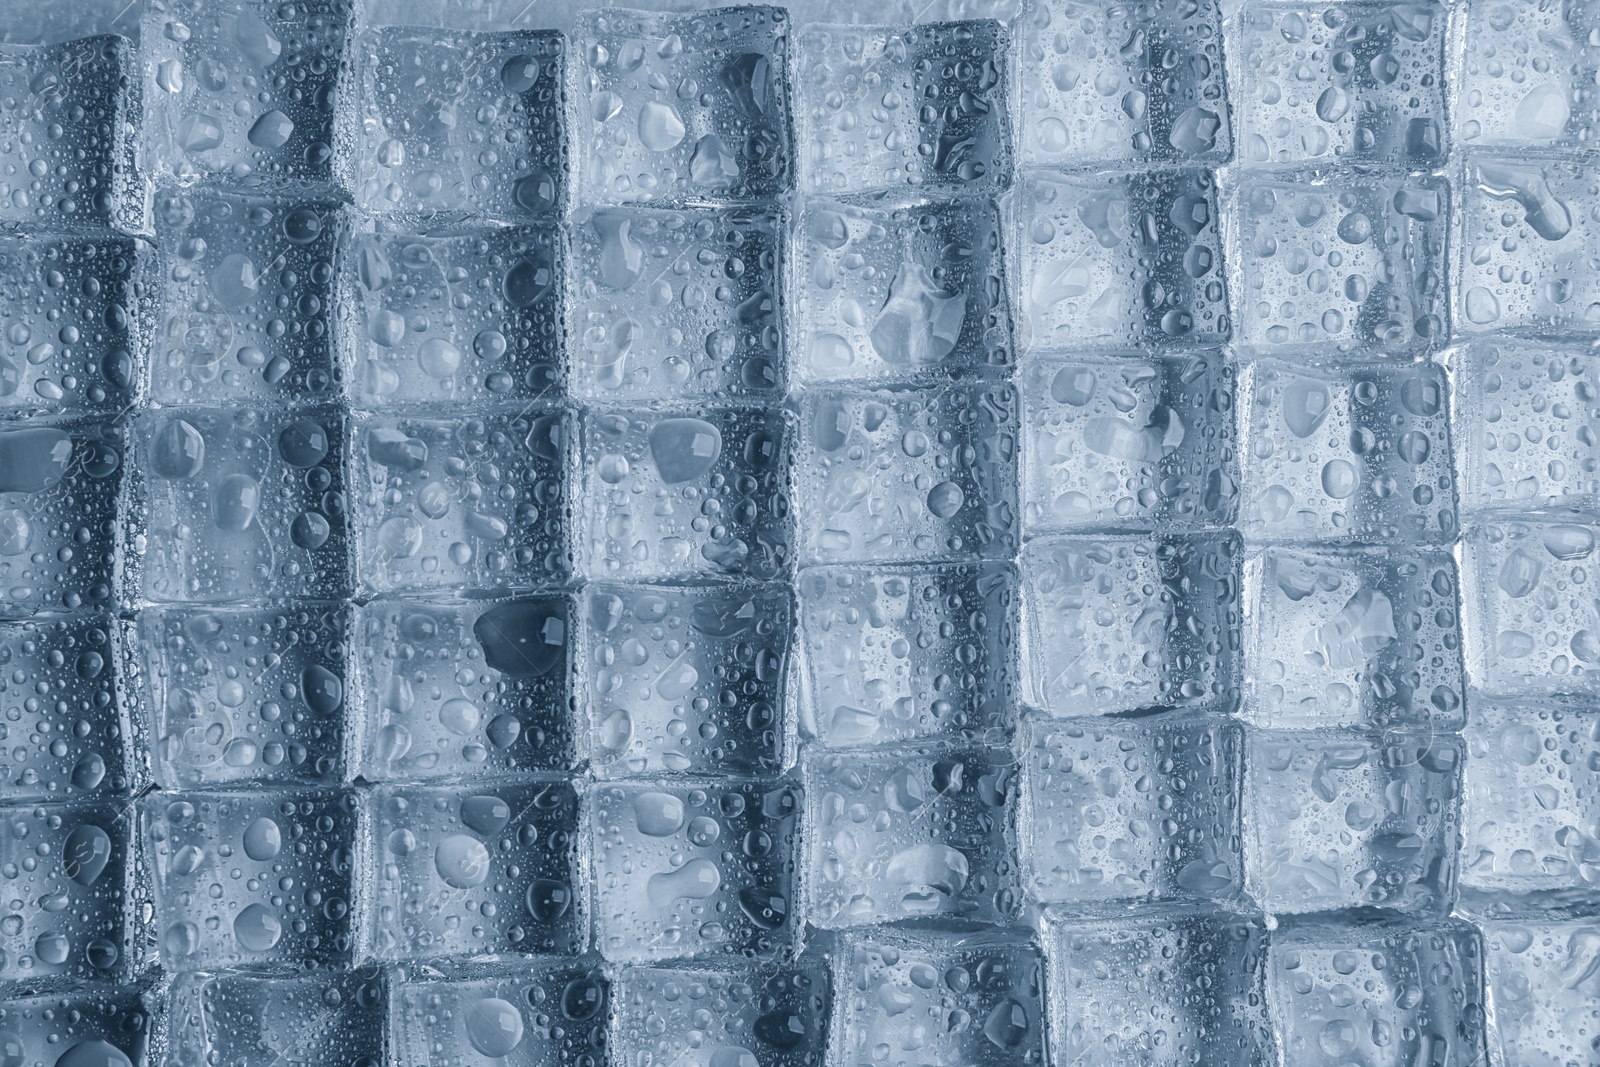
pixel 895 294
pixel 681 493
pixel 81 317
pixel 1529 227
pixel 1109 83
pixel 256 694
pixel 1342 819
pixel 685 677
pixel 552 1014
pixel 59 485
pixel 249 285
pixel 457 317
pixel 1161 988
pixel 250 92
pixel 901 476
pixel 690 867
pixel 1530 812
pixel 1381 993
pixel 462 122
pixel 680 107
pixel 65 675
pixel 1330 265
pixel 1345 455
pixel 71 914
pixel 1121 623
pixel 478 502
pixel 901 988
pixel 1527 424
pixel 881 108
pixel 1352 637
pixel 1118 260
pixel 69 132
pixel 1540 976
pixel 1530 623
pixel 472 869
pixel 255 1019
pixel 1355 83
pixel 675 304
pixel 1128 442
pixel 242 502
pixel 907 832
pixel 775 1016
pixel 1120 809
pixel 207 916
pixel 903 653
pixel 456 687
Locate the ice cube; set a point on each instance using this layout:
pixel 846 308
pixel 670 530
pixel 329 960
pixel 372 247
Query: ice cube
pixel 219 862
pixel 1332 265
pixel 1527 228
pixel 1529 814
pixel 901 294
pixel 1344 818
pixel 1527 418
pixel 685 107
pixel 71 915
pixel 1121 623
pixel 248 293
pixel 255 1018
pixel 1128 442
pixel 1121 809
pixel 1120 260
pixel 1113 83
pixel 456 687
pixel 81 308
pixel 903 989
pixel 59 485
pixel 241 502
pixel 692 867
pixel 1525 77
pixel 881 108
pixel 676 304
pixel 1162 988
pixel 1346 455
pixel 469 503
pixel 902 476
pixel 462 122
pixel 70 133
pixel 459 317
pixel 1381 993
pixel 250 93
pixel 1530 624
pixel 907 832
pixel 256 694
pixel 92 1024
pixel 479 868
pixel 549 1013
pixel 1540 976
pixel 62 674
pixel 1352 637
pixel 906 652
pixel 1365 86
pixel 685 677
pixel 682 493
pixel 774 1016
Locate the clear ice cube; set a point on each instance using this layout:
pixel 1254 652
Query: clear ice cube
pixel 717 1016
pixel 1118 260
pixel 905 653
pixel 1129 442
pixel 253 1020
pixel 473 869
pixel 685 678
pixel 1527 76
pixel 1357 454
pixel 903 476
pixel 93 1024
pixel 1541 980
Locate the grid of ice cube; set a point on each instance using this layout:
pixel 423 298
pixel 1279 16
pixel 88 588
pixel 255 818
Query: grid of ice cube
pixel 1038 532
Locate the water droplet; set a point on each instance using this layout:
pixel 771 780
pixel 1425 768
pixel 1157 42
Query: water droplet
pixel 257 928
pixel 494 1026
pixel 462 861
pixel 657 814
pixel 262 839
pixel 660 126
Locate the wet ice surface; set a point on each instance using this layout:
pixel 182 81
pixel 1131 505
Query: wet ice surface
pixel 723 1014
pixel 297 1019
